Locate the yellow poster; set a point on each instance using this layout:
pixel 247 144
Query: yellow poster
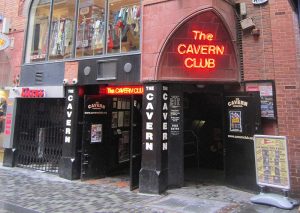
pixel 271 161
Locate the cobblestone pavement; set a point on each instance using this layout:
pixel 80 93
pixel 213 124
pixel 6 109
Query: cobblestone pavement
pixel 28 191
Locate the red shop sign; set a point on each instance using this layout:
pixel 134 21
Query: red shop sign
pixel 32 93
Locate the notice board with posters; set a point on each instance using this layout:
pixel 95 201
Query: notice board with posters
pixel 271 161
pixel 266 90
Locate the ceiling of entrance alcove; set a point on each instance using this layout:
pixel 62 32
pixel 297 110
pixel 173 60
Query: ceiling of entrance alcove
pixel 201 50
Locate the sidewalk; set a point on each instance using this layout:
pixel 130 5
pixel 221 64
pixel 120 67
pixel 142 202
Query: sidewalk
pixel 29 191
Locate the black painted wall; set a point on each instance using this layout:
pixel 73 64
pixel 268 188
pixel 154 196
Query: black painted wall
pixel 131 77
pixel 47 74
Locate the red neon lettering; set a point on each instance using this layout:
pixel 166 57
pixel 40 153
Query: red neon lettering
pixel 197 55
pixel 179 49
pixel 199 35
pixel 200 63
pixel 200 49
pixel 130 90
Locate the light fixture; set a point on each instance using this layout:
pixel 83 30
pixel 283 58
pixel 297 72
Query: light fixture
pixel 247 23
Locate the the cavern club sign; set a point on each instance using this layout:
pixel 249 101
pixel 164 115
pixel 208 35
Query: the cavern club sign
pixel 200 49
pixel 199 54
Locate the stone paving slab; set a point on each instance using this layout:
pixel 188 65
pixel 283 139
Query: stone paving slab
pixel 29 191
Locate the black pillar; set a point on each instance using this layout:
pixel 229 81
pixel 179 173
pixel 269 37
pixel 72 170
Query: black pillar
pixel 175 145
pixel 154 171
pixel 69 166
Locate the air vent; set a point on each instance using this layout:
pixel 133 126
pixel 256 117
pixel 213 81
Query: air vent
pixel 39 78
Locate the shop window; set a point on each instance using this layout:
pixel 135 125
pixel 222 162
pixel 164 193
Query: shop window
pixel 123 29
pixel 90 28
pixel 102 27
pixel 62 28
pixel 37 37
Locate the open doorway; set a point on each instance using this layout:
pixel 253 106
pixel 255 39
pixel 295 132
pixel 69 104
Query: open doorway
pixel 203 141
pixel 111 145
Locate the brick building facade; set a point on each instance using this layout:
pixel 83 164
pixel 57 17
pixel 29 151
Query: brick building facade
pixel 13 12
pixel 195 62
pixel 275 55
pixel 12 16
pixel 271 54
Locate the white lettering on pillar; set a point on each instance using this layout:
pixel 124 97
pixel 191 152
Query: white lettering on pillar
pixel 149 110
pixel 69 111
pixel 149 126
pixel 165 146
pixel 149 136
pixel 165 112
pixel 149 146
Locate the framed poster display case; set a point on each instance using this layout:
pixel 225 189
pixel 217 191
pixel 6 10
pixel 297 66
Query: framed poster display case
pixel 267 93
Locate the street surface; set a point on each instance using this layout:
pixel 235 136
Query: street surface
pixel 29 191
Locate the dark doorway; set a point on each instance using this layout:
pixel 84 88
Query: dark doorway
pixel 203 137
pixel 112 139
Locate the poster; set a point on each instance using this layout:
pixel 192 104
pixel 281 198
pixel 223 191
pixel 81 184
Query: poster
pixel 267 102
pixel 235 120
pixel 175 104
pixel 96 133
pixel 271 161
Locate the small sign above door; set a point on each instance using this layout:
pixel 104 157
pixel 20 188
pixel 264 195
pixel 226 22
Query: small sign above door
pixel 259 1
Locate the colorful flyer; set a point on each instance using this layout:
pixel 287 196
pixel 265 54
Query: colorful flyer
pixel 235 119
pixel 271 161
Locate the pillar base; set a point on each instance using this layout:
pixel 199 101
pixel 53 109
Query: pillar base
pixel 69 168
pixel 9 157
pixel 153 181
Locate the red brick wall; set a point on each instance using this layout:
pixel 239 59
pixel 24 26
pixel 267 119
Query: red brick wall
pixel 9 9
pixel 160 17
pixel 274 55
pixel 13 54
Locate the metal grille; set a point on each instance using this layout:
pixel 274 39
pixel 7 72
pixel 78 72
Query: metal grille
pixel 39 133
pixel 39 77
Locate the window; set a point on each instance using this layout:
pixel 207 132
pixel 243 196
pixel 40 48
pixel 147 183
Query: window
pixel 123 31
pixel 62 29
pixel 107 70
pixel 102 27
pixel 38 33
pixel 90 28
